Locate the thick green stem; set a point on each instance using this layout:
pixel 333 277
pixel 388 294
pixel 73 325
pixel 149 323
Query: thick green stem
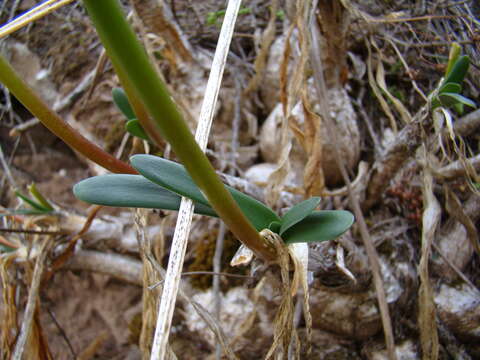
pixel 127 53
pixel 55 124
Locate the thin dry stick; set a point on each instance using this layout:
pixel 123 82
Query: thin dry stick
pixel 182 229
pixel 33 14
pixel 31 301
pixel 371 252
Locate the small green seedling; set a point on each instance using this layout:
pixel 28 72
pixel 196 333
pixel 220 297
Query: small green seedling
pixel 132 125
pixel 448 92
pixel 37 203
pixel 162 183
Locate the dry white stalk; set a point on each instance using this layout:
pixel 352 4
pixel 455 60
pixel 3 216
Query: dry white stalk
pixel 33 14
pixel 182 229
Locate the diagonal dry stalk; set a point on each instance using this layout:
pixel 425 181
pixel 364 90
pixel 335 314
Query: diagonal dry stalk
pixel 320 86
pixel 182 229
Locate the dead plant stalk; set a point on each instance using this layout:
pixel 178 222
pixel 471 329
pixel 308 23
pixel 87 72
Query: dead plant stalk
pixel 320 86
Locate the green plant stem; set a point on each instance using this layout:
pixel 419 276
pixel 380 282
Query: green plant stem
pixel 55 124
pixel 127 53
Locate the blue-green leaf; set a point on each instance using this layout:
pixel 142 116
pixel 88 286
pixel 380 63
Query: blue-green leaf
pixel 319 226
pixel 173 176
pixel 130 191
pixel 135 128
pixel 450 99
pixel 121 100
pixel 298 212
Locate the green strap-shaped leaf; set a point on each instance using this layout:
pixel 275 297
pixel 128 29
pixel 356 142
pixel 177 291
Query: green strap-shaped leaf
pixel 459 70
pixel 298 212
pixel 135 128
pixel 173 176
pixel 35 205
pixel 455 50
pixel 450 99
pixel 121 100
pixel 130 191
pixel 450 88
pixel 319 226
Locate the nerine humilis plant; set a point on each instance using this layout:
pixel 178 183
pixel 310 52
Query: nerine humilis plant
pixel 162 182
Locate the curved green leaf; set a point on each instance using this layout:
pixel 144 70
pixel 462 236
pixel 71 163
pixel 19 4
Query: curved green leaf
pixel 450 99
pixel 169 175
pixel 121 100
pixel 450 88
pixel 275 227
pixel 298 212
pixel 135 128
pixel 455 50
pixel 122 190
pixel 319 226
pixel 459 70
pixel 256 212
pixel 35 205
pixel 173 176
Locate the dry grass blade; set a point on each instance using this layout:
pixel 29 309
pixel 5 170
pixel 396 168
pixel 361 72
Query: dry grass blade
pixel 313 176
pixel 430 221
pixel 261 60
pixel 28 320
pixel 380 77
pixel 377 92
pixel 180 238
